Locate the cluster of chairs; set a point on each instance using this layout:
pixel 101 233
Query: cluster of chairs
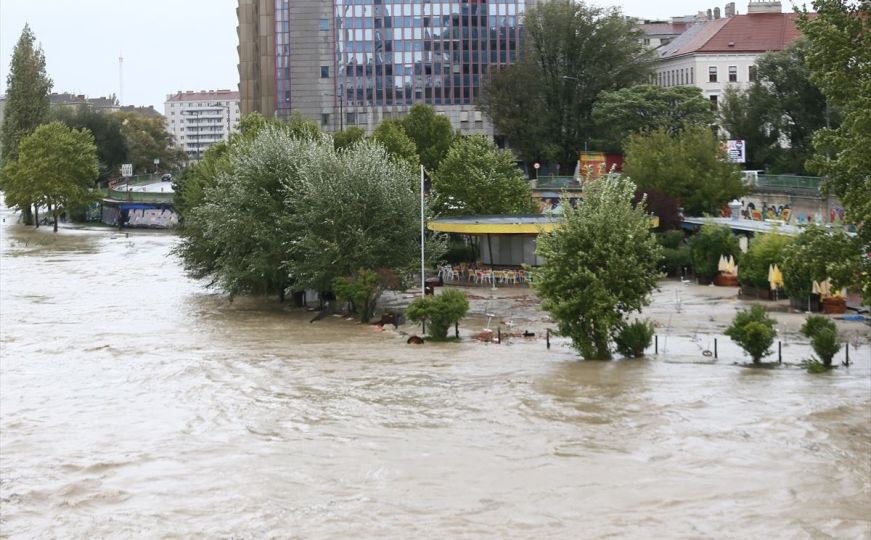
pixel 480 274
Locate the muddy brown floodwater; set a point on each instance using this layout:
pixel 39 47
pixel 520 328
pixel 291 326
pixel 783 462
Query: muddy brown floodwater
pixel 136 403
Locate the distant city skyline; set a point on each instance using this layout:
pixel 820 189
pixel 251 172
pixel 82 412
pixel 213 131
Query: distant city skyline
pixel 169 46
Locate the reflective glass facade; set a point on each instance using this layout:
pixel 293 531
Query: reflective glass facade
pixel 410 51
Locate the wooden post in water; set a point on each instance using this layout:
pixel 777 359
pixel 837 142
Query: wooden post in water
pixel 547 339
pixel 456 329
pixel 779 353
pixel 656 344
pixel 499 335
pixel 847 350
pixel 715 348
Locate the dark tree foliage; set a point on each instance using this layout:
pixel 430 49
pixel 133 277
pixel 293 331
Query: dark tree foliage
pixel 106 128
pixel 432 134
pixel 666 208
pixel 572 53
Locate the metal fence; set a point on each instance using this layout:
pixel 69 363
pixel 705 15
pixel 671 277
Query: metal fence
pixel 140 196
pixel 789 181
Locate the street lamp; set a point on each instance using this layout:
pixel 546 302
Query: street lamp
pixel 341 98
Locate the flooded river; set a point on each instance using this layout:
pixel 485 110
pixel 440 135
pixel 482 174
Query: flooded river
pixel 136 403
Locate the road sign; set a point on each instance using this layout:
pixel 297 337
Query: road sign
pixel 536 165
pixel 127 169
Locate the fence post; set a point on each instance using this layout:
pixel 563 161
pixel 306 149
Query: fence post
pixel 548 338
pixel 423 327
pixel 656 344
pixel 847 350
pixel 456 329
pixel 779 353
pixel 499 335
pixel 715 349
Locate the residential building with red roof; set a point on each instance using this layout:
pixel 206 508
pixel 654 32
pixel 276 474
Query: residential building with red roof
pixel 714 54
pixel 198 120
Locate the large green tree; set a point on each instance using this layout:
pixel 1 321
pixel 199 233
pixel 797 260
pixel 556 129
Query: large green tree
pixel 572 53
pixel 56 168
pixel 147 139
pixel 106 128
pixel 597 273
pixel 476 177
pixel 27 105
pixel 818 254
pixel 750 115
pixel 432 134
pixel 840 61
pixel 645 107
pixel 392 137
pixel 689 165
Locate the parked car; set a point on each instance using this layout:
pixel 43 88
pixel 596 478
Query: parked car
pixel 166 178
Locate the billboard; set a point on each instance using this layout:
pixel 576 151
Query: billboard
pixel 736 151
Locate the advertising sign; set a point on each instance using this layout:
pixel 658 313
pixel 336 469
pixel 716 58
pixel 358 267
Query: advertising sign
pixel 736 151
pixel 127 169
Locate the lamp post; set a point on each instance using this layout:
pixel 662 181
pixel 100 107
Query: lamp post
pixel 341 107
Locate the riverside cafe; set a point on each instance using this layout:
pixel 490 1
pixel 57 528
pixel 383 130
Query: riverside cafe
pixel 504 241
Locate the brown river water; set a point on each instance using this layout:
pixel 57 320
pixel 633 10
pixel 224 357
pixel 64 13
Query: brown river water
pixel 136 403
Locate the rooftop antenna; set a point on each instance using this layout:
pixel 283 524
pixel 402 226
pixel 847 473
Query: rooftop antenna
pixel 120 79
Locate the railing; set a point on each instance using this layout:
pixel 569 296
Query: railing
pixel 788 181
pixel 141 196
pixel 555 182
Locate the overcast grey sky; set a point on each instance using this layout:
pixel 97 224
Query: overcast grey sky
pixel 170 45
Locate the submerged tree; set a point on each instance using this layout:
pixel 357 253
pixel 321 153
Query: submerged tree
pixel 56 168
pixel 596 274
pixel 27 105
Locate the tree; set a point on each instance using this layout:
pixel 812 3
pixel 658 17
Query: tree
pixel 633 338
pixel 753 330
pixel 357 209
pixel 106 128
pixel 56 168
pixel 441 311
pixel 690 166
pixel 27 105
pixel 645 107
pixel 824 337
pixel 147 139
pixel 432 134
pixel 782 105
pixel 765 250
pixel 348 137
pixel 665 208
pixel 478 178
pixel 751 116
pixel 392 137
pixel 572 53
pixel 595 273
pixel 818 254
pixel 708 245
pixel 839 57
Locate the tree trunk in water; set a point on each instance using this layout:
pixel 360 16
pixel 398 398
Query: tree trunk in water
pixel 36 216
pixel 281 293
pixel 54 214
pixel 27 215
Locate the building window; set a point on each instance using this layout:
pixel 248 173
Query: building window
pixel 325 72
pixel 712 74
pixel 733 73
pixel 752 74
pixel 324 25
pixel 325 119
pixel 713 103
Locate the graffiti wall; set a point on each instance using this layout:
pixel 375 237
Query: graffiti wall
pixel 798 212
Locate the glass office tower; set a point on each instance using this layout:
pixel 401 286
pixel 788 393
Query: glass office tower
pixel 347 62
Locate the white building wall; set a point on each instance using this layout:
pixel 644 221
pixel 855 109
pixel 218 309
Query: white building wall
pixel 198 120
pixel 694 70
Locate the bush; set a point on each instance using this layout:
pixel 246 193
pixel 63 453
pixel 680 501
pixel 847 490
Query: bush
pixel 458 253
pixel 814 323
pixel 634 338
pixel 764 251
pixel 812 365
pixel 441 311
pixel 670 239
pixel 675 260
pixel 753 330
pixel 708 245
pixel 817 254
pixel 825 344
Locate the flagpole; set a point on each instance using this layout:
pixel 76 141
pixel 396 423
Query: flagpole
pixel 422 271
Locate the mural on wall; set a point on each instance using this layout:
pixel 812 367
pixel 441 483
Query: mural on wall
pixel 785 213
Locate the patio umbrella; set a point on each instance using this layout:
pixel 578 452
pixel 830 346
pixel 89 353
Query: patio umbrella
pixel 778 276
pixel 815 289
pixel 826 288
pixel 721 266
pixel 770 273
pixel 731 268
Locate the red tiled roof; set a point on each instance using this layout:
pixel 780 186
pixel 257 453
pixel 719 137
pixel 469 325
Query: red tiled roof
pixel 759 32
pixel 752 33
pixel 204 95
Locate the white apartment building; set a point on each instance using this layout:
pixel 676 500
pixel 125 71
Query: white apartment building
pixel 198 120
pixel 718 53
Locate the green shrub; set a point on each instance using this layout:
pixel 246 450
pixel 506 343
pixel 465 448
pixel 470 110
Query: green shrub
pixel 671 239
pixel 812 365
pixel 765 250
pixel 753 330
pixel 633 338
pixel 441 311
pixel 458 253
pixel 675 260
pixel 816 254
pixel 708 245
pixel 825 343
pixel 814 323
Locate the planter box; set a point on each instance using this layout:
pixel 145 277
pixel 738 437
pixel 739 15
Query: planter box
pixel 835 305
pixel 726 280
pixel 749 291
pixel 703 280
pixel 801 304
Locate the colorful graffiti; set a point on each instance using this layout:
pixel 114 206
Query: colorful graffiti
pixel 786 214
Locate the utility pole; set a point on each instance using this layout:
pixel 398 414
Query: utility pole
pixel 120 79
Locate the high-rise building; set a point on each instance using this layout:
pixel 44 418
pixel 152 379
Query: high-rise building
pixel 356 62
pixel 197 120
